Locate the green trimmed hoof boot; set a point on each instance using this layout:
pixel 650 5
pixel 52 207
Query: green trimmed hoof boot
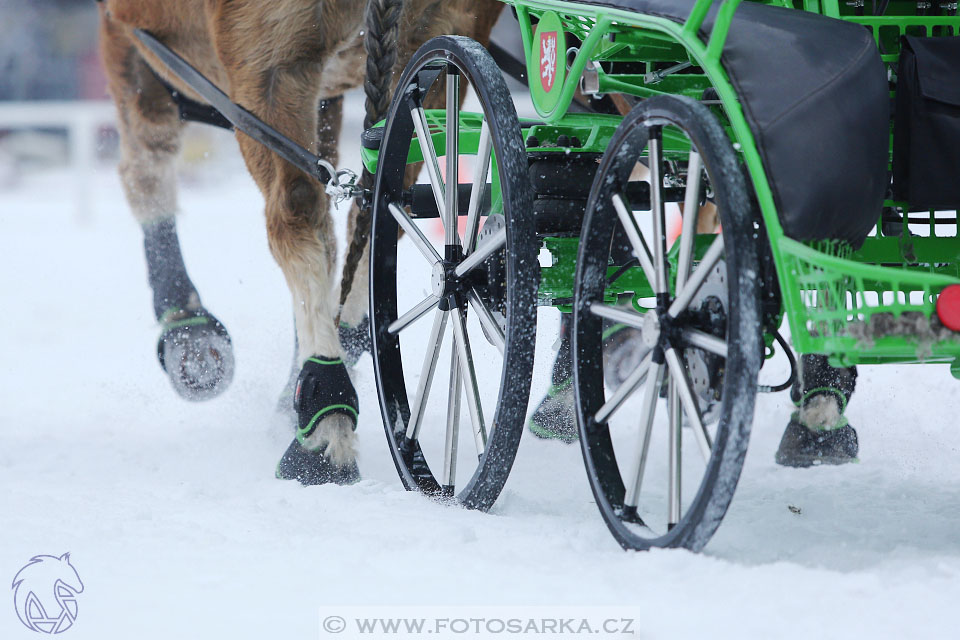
pixel 804 447
pixel 818 432
pixel 555 417
pixel 196 352
pixel 324 450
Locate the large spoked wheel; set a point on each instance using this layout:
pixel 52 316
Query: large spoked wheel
pixel 478 285
pixel 664 450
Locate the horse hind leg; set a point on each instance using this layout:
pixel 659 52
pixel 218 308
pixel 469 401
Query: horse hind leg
pixel 194 348
pixel 354 329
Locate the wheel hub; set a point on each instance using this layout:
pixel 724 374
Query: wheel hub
pixel 706 370
pixel 438 279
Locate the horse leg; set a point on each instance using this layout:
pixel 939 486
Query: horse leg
pixel 329 123
pixel 194 347
pixel 301 239
pixel 354 319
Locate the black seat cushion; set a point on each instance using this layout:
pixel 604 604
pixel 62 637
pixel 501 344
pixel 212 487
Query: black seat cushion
pixel 815 95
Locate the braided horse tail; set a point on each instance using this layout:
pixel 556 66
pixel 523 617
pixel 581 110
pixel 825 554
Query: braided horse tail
pixel 381 44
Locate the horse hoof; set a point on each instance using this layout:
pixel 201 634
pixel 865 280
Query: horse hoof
pixel 327 409
pixel 314 467
pixel 195 351
pixel 354 341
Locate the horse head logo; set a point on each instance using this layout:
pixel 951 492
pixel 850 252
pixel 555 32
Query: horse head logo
pixel 45 593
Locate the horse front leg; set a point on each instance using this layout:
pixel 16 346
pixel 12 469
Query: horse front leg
pixel 329 125
pixel 301 239
pixel 194 347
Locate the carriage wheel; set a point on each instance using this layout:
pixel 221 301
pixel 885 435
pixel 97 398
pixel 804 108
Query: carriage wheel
pixel 664 450
pixel 479 285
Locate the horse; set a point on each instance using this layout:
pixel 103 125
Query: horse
pixel 289 63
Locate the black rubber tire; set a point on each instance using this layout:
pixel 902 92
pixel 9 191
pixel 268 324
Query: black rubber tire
pixel 699 520
pixel 522 275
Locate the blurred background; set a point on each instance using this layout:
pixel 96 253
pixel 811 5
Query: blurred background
pixel 49 62
pixel 55 112
pixel 48 51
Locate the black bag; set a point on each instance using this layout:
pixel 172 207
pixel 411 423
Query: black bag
pixel 926 133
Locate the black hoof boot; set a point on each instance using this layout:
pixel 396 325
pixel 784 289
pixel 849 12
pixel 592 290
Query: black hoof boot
pixel 818 433
pixel 195 351
pixel 354 341
pixel 803 447
pixel 327 410
pixel 555 417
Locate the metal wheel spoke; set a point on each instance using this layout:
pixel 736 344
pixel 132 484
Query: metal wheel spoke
pixel 449 477
pixel 490 325
pixel 465 356
pixel 413 315
pixel 478 189
pixel 426 375
pixel 691 211
pixel 429 157
pixel 673 464
pixel 690 288
pixel 705 341
pixel 617 314
pixel 624 391
pixel 496 242
pixel 690 407
pixel 647 412
pixel 656 208
pixel 451 235
pixel 413 231
pixel 639 245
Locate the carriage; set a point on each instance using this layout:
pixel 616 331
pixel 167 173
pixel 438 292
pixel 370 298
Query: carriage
pixel 785 119
pixel 777 115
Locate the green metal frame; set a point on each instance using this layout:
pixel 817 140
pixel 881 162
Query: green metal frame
pixel 833 296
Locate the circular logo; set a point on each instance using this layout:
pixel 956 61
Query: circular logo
pixel 45 594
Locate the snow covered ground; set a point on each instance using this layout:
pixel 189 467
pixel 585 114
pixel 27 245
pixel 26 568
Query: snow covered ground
pixel 178 529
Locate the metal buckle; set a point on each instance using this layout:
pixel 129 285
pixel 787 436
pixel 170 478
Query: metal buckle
pixel 343 184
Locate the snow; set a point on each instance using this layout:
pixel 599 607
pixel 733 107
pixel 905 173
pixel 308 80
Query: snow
pixel 178 529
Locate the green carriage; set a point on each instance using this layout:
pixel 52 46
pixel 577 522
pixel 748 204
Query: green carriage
pixel 776 117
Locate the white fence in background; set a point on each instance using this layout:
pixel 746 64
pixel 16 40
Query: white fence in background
pixel 82 120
